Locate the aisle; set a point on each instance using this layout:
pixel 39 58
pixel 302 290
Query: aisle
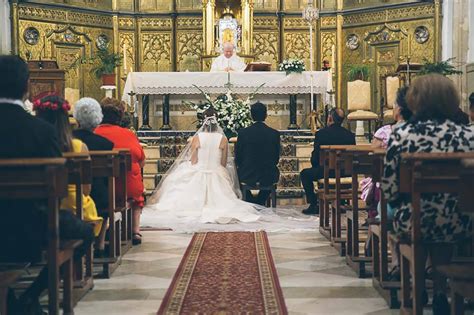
pixel 315 280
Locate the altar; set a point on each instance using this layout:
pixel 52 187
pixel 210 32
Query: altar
pixel 165 94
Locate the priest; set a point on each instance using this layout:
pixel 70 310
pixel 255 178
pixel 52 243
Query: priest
pixel 228 61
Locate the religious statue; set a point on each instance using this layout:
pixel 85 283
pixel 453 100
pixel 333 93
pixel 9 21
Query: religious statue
pixel 228 61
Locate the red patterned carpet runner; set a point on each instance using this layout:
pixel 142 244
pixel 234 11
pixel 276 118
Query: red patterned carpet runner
pixel 225 273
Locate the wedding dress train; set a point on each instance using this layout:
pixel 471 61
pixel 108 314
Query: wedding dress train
pixel 205 197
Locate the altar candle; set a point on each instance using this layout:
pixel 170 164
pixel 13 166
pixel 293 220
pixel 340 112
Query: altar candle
pixel 125 57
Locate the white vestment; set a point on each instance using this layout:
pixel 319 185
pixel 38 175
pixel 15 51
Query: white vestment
pixel 234 62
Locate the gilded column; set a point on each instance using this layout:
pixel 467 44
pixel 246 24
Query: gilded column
pixel 208 8
pixel 339 43
pixel 15 28
pixel 437 17
pixel 174 16
pixel 247 25
pixel 318 38
pixel 281 26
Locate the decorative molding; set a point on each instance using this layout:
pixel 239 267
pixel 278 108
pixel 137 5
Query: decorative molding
pixel 189 51
pixel 295 23
pixel 265 22
pixel 395 14
pixel 63 16
pixel 126 22
pixel 189 23
pixel 328 21
pixel 156 23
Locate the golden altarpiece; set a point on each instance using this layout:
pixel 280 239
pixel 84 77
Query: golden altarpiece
pixel 184 35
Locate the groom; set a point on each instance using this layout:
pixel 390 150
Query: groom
pixel 257 153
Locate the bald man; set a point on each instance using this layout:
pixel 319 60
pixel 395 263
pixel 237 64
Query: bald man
pixel 333 134
pixel 228 61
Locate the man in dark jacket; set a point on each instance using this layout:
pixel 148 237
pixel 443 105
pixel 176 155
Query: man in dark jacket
pixel 257 153
pixel 333 134
pixel 24 224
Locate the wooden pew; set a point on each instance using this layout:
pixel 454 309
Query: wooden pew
pixel 44 179
pixel 423 173
pixel 379 233
pixel 358 161
pixel 7 278
pixel 79 173
pixel 332 191
pixel 107 164
pixel 125 159
pixel 461 275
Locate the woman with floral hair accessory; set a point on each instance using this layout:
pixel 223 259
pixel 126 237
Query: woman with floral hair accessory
pixel 54 109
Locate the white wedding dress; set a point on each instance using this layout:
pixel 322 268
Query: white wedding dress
pixel 205 196
pixel 203 191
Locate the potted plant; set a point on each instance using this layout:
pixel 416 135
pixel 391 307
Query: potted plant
pixel 104 62
pixel 442 67
pixel 358 72
pixel 105 69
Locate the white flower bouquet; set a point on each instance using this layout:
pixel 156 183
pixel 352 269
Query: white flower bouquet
pixel 292 66
pixel 233 113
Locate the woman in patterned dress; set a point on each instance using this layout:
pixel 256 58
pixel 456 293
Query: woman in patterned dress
pixel 434 102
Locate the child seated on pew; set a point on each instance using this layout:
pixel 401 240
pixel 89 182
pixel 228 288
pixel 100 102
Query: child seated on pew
pixel 54 109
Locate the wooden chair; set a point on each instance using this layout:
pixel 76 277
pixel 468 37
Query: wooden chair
pixel 79 173
pixel 44 179
pixel 423 173
pixel 358 161
pixel 379 233
pixel 107 164
pixel 272 188
pixel 121 201
pixel 461 275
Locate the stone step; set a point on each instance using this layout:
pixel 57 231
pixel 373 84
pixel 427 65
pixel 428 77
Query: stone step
pixel 152 152
pixel 151 166
pixel 149 181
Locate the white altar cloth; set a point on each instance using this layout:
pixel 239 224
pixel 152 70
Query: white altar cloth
pixel 142 83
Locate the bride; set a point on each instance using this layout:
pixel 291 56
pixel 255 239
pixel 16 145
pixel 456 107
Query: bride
pixel 201 191
pixel 202 184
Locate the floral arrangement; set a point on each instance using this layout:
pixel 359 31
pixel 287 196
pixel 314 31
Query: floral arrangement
pixel 292 65
pixel 49 105
pixel 233 113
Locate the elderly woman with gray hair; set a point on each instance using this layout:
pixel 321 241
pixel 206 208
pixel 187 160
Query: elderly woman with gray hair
pixel 88 114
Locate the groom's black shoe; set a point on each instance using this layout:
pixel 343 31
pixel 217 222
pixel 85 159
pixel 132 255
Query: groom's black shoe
pixel 311 210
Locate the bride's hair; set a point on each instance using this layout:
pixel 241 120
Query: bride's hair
pixel 210 120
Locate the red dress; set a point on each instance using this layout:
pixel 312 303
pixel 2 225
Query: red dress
pixel 125 139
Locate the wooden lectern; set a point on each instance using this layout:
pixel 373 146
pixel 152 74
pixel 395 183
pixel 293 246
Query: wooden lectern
pixel 45 76
pixel 406 71
pixel 259 66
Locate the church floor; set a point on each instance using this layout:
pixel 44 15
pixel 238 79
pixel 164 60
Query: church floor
pixel 315 280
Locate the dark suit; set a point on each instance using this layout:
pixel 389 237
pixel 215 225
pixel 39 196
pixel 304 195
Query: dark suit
pixel 257 153
pixel 23 227
pixel 99 192
pixel 331 135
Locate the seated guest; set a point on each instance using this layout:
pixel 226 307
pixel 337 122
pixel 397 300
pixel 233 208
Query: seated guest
pixel 434 102
pixel 24 224
pixel 401 113
pixel 54 109
pixel 333 134
pixel 257 153
pixel 88 114
pixel 123 138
